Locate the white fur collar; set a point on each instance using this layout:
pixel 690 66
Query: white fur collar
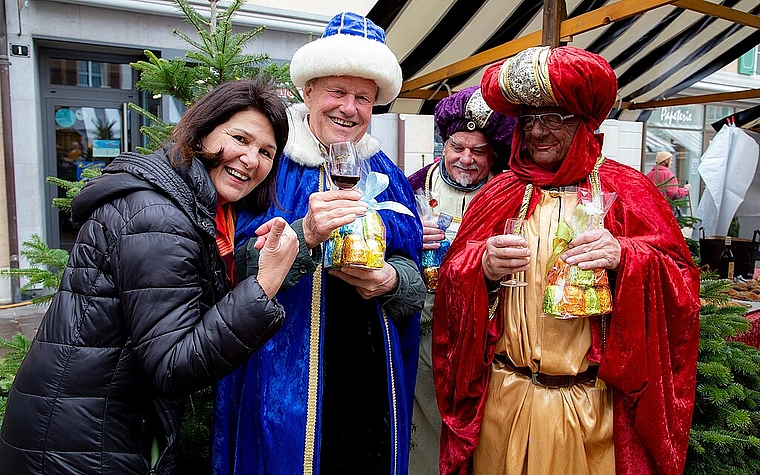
pixel 303 148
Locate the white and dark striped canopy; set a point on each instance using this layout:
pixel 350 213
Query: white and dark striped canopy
pixel 656 47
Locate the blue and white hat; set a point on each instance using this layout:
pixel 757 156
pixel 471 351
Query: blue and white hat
pixel 351 45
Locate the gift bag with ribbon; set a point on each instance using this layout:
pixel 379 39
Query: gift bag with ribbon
pixel 362 242
pixel 570 291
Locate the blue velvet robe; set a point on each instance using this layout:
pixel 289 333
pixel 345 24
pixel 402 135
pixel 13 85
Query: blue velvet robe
pixel 264 412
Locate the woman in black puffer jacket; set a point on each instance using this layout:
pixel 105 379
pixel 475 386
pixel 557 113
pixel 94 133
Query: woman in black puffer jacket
pixel 143 315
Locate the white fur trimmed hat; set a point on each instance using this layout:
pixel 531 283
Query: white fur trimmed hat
pixel 351 45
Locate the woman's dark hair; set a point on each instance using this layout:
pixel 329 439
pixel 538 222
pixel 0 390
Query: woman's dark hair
pixel 218 106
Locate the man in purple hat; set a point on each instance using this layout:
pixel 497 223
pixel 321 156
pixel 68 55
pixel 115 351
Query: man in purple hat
pixel 476 146
pixel 332 392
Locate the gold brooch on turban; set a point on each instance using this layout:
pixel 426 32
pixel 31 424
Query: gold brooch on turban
pixel 524 78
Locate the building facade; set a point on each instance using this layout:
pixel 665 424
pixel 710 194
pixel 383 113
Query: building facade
pixel 65 83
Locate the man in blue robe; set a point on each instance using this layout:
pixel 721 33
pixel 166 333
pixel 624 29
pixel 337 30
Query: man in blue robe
pixel 332 392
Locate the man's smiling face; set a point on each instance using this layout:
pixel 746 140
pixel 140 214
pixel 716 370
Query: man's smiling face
pixel 548 146
pixel 340 107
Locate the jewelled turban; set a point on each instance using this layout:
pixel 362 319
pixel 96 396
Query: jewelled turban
pixel 581 82
pixel 467 111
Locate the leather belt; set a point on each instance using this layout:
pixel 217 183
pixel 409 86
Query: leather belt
pixel 548 380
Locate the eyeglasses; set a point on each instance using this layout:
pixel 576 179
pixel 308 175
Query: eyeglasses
pixel 550 120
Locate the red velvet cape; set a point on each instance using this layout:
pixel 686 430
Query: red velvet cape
pixel 652 340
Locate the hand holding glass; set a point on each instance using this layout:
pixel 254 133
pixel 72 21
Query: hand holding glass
pixel 514 226
pixel 344 165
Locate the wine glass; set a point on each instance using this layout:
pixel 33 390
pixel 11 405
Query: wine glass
pixel 344 165
pixel 514 226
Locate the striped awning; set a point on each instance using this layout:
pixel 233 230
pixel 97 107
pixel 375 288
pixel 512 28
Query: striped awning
pixel 656 47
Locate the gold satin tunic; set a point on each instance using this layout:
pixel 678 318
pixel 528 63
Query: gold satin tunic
pixel 530 429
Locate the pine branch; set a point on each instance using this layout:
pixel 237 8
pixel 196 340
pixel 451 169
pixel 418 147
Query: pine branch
pixel 214 57
pixel 45 267
pixel 191 15
pixel 157 131
pixel 725 431
pixel 426 327
pixel 13 350
pixel 715 291
pixel 172 78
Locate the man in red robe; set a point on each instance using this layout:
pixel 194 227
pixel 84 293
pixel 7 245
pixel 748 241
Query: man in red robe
pixel 520 392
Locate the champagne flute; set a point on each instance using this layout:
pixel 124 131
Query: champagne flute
pixel 514 226
pixel 344 165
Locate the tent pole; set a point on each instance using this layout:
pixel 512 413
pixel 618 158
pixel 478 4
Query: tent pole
pixel 555 12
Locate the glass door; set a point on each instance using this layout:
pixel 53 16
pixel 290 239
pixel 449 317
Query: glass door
pixel 86 123
pixel 86 134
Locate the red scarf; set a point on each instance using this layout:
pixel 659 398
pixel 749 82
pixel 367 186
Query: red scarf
pixel 225 235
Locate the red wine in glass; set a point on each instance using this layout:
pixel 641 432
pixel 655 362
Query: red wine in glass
pixel 345 182
pixel 344 165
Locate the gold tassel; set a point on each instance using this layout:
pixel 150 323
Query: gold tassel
pixel 492 308
pixel 599 384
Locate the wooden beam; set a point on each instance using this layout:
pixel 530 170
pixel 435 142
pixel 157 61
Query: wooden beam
pixel 425 94
pixel 555 12
pixel 703 99
pixel 719 11
pixel 572 26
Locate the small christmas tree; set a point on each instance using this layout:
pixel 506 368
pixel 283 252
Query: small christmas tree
pixel 215 57
pixel 725 430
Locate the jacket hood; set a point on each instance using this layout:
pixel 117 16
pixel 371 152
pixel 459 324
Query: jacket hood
pixel 189 187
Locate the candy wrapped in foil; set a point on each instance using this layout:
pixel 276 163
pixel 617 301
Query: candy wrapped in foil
pixel 575 293
pixel 581 277
pixel 552 300
pixel 430 277
pixel 358 244
pixel 362 243
pixel 431 262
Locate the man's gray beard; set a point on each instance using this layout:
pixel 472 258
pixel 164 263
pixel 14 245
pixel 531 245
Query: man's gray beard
pixel 464 179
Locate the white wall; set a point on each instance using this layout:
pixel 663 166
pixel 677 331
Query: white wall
pixel 406 139
pixel 623 141
pixel 418 140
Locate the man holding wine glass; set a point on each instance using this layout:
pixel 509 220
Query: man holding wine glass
pixel 602 392
pixel 344 165
pixel 332 392
pixel 476 147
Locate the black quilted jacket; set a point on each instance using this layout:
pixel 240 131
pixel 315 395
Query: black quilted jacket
pixel 141 319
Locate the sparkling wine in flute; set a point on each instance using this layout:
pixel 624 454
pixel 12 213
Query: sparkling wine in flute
pixel 344 165
pixel 514 226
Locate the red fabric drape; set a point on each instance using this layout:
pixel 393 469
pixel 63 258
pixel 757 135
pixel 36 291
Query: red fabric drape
pixel 652 341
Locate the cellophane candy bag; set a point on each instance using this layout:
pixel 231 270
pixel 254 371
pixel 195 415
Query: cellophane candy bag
pixel 362 243
pixel 357 244
pixel 570 291
pixel 432 258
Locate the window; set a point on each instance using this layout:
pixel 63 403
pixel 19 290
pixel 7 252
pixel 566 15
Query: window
pixel 95 74
pixel 749 62
pixel 678 130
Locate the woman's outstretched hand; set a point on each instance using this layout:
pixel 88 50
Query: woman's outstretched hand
pixel 278 244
